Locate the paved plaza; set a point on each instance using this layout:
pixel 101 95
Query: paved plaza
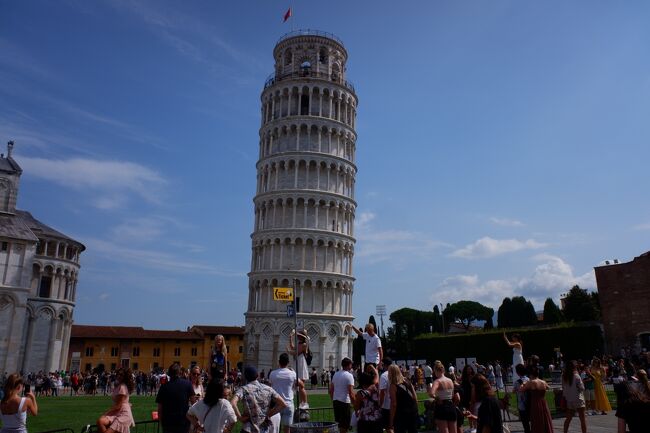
pixel 595 424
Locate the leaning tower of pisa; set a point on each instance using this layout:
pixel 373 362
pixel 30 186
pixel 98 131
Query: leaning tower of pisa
pixel 304 203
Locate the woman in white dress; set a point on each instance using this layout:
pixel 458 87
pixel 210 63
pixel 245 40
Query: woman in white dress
pixel 517 353
pixel 302 369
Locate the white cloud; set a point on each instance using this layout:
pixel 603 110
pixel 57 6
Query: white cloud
pixel 550 278
pixel 506 222
pixel 138 229
pixel 644 226
pixel 363 219
pixel 398 247
pixel 110 181
pixel 488 247
pixel 152 259
pixel 103 296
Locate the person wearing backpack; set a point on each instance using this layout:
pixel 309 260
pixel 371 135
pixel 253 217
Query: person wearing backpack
pixel 366 403
pixel 404 416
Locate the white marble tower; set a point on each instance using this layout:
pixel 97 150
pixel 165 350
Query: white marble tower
pixel 304 205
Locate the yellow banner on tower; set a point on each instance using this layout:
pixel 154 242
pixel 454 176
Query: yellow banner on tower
pixel 283 294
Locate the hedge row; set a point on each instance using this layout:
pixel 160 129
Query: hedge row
pixel 574 341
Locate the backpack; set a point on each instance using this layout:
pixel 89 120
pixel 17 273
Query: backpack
pixel 405 402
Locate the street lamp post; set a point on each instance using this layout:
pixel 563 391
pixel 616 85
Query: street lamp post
pixel 381 312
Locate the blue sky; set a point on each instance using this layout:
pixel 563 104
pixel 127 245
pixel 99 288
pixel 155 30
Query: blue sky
pixel 503 146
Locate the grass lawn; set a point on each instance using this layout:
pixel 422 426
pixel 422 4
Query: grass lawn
pixel 76 412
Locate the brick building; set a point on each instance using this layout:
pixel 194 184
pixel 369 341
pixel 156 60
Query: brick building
pixel 624 292
pixel 146 349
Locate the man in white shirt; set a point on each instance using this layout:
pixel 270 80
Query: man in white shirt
pixel 342 394
pixel 384 393
pixel 283 381
pixel 374 351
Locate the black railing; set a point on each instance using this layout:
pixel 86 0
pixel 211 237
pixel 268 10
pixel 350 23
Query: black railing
pixel 307 73
pixel 309 32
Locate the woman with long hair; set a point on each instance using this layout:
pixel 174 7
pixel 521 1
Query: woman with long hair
pixel 517 347
pixel 488 416
pixel 197 383
pixel 573 391
pixel 366 402
pixel 540 415
pixel 302 367
pixel 14 408
pixel 442 390
pixel 466 402
pixel 644 386
pixel 632 409
pixel 213 414
pixel 403 403
pixel 219 359
pixel 118 418
pixel 598 373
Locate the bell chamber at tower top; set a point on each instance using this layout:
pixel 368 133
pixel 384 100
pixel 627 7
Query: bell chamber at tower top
pixel 310 54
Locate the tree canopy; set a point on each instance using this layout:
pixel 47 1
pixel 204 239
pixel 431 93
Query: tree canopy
pixel 581 306
pixel 466 312
pixel 552 313
pixel 516 312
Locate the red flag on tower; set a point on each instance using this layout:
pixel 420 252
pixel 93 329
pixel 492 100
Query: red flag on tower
pixel 287 15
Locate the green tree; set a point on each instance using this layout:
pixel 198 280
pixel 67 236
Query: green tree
pixel 437 319
pixel 552 313
pixel 408 323
pixel 503 314
pixel 466 312
pixel 516 312
pixel 580 305
pixel 373 322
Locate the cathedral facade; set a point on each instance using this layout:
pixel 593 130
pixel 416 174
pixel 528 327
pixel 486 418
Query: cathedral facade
pixel 303 233
pixel 39 267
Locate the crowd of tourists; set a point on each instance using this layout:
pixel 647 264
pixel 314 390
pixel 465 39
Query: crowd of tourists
pixel 376 397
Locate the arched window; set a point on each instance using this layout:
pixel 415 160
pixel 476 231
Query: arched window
pixel 304 105
pixel 288 58
pixel 322 55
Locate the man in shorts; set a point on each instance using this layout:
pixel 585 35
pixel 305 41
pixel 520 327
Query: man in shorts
pixel 342 395
pixel 283 381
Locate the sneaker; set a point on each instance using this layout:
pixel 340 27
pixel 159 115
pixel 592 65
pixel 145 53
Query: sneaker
pixel 304 406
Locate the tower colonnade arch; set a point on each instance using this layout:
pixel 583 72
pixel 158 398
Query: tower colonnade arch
pixel 307 135
pixel 329 101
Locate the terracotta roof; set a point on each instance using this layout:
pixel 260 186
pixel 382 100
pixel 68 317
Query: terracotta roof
pixel 214 330
pixel 133 332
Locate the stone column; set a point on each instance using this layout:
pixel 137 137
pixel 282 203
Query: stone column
pixel 49 359
pixel 321 346
pixel 341 349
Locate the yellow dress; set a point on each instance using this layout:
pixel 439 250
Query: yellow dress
pixel 601 402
